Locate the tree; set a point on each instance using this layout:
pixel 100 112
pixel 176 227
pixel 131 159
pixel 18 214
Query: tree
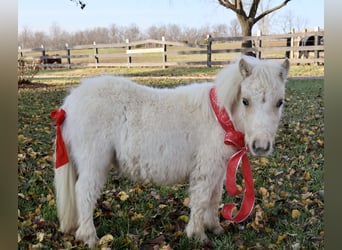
pixel 248 20
pixel 264 25
pixel 25 38
pixel 234 28
pixel 58 37
pixel 132 33
pixel 220 30
pixel 80 3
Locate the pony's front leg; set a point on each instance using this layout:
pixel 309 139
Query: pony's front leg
pixel 211 216
pixel 206 186
pixel 200 192
pixel 195 227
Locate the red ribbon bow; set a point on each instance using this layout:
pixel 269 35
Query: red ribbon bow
pixel 235 138
pixel 61 152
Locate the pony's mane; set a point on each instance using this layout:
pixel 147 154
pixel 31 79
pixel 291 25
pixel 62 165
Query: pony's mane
pixel 228 84
pixel 228 79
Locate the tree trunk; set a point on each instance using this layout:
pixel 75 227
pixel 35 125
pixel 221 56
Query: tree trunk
pixel 246 29
pixel 248 20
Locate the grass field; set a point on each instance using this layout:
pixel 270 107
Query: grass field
pixel 289 206
pixel 72 76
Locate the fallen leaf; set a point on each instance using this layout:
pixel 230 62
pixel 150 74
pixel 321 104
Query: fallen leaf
pixel 106 205
pixel 283 194
pixel 263 191
pixel 307 176
pixel 123 196
pixel 52 203
pixel 295 246
pixel 306 195
pixel 320 142
pixel 38 246
pixel 295 213
pixel 137 216
pixel 186 202
pixel 178 233
pixel 165 247
pixel 272 246
pixel 105 240
pixel 67 245
pixel 270 204
pixel 281 238
pixel 263 161
pixel 40 236
pixel 184 218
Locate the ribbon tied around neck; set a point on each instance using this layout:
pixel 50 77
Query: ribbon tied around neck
pixel 235 138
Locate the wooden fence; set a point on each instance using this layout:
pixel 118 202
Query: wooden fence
pixel 162 53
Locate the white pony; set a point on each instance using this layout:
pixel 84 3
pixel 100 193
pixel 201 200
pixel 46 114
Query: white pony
pixel 163 136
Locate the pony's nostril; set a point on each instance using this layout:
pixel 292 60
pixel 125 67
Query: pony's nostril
pixel 254 145
pixel 259 148
pixel 268 146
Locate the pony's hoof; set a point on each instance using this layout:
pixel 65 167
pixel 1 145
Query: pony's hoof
pixel 91 239
pixel 218 230
pixel 201 236
pixel 92 242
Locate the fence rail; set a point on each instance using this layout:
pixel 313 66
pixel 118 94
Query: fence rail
pixel 161 53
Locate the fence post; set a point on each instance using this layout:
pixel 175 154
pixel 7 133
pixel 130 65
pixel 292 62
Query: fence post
pixel 129 58
pixel 305 52
pixel 96 52
pixel 292 43
pixel 20 51
pixel 209 50
pixel 68 55
pixel 258 44
pixel 43 54
pixel 44 61
pixel 164 52
pixel 316 55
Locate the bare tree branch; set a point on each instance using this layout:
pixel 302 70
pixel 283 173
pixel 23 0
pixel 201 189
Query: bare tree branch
pixel 237 6
pixel 79 2
pixel 254 8
pixel 228 4
pixel 270 10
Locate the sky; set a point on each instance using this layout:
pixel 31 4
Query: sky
pixel 39 15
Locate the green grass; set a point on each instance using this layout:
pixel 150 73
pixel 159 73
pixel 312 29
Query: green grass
pixel 288 210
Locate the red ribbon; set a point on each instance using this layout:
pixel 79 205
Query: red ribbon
pixel 235 138
pixel 61 152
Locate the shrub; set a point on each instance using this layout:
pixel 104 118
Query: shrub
pixel 27 69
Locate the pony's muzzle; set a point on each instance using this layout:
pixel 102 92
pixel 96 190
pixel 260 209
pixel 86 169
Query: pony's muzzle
pixel 261 146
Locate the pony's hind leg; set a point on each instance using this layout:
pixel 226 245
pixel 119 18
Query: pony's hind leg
pixel 91 178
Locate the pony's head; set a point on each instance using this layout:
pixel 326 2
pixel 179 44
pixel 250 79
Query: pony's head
pixel 253 93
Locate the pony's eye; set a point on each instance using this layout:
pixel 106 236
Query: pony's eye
pixel 245 101
pixel 279 103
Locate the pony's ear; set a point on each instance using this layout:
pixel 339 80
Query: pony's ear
pixel 285 69
pixel 245 68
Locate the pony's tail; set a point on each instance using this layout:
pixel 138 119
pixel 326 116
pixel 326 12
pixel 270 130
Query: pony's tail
pixel 65 180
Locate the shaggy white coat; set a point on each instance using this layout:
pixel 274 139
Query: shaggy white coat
pixel 163 136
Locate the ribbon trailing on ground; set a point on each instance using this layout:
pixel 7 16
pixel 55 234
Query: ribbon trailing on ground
pixel 61 152
pixel 235 138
